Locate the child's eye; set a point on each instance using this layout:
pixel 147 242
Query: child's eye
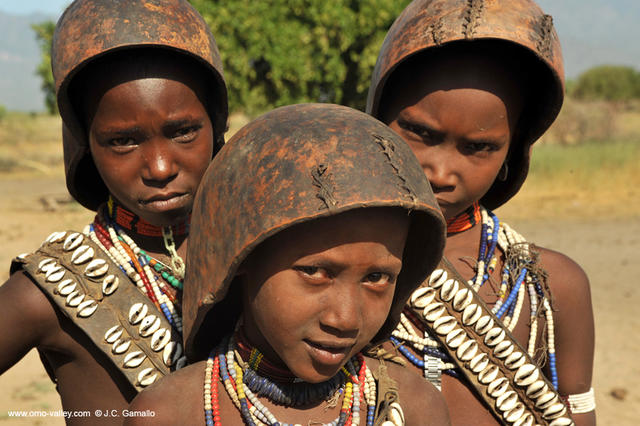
pixel 123 141
pixel 186 134
pixel 312 272
pixel 122 144
pixel 378 279
pixel 416 130
pixel 473 147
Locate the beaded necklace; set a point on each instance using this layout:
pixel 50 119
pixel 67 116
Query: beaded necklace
pixel 465 220
pixel 130 222
pixel 141 268
pixel 244 385
pixel 519 278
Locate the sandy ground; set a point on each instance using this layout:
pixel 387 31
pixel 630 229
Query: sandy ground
pixel 607 249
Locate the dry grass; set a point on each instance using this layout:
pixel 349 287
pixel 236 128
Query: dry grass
pixel 586 165
pixel 587 180
pixel 30 144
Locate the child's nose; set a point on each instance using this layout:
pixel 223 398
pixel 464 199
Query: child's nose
pixel 159 164
pixel 343 311
pixel 437 165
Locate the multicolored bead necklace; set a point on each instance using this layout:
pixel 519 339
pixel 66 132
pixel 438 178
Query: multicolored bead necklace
pixel 519 277
pixel 150 275
pixel 244 384
pixel 130 222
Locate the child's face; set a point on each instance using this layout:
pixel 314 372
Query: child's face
pixel 151 140
pixel 458 117
pixel 316 294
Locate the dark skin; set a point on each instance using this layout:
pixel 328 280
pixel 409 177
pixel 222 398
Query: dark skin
pixel 459 118
pixel 151 139
pixel 337 288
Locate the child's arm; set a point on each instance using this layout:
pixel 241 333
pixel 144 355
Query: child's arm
pixel 574 327
pixel 28 317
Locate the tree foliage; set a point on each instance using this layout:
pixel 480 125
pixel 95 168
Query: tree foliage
pixel 44 35
pixel 608 82
pixel 289 51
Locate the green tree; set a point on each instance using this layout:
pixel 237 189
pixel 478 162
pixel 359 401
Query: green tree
pixel 44 35
pixel 289 51
pixel 608 82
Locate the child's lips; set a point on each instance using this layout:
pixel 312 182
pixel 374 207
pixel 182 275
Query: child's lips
pixel 163 202
pixel 329 353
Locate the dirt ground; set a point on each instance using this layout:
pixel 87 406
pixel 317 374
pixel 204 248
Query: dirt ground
pixel 607 249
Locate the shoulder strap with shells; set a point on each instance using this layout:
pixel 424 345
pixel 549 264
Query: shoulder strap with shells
pixel 101 300
pixel 512 386
pixel 388 409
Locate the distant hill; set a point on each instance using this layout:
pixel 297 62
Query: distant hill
pixel 592 32
pixel 19 57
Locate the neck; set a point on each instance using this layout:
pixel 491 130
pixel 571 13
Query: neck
pixel 280 385
pixel 167 246
pixel 135 225
pixel 257 362
pixel 465 220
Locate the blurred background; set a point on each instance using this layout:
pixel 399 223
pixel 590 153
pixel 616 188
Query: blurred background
pixel 582 196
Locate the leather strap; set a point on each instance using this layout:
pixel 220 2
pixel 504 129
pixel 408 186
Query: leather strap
pixel 99 298
pixel 503 375
pixel 388 407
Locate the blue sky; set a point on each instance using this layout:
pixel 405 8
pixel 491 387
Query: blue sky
pixel 25 7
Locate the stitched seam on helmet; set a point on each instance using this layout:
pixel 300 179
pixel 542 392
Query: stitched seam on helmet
pixel 322 181
pixel 437 31
pixel 389 152
pixel 472 17
pixel 545 33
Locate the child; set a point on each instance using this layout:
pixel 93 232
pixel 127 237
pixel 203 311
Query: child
pixel 471 85
pixel 144 108
pixel 311 228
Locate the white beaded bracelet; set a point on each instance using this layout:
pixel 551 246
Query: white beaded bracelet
pixel 582 402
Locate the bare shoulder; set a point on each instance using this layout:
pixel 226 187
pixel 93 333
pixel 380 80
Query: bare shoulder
pixel 21 293
pixel 421 402
pixel 558 263
pixel 29 318
pixel 174 399
pixel 568 282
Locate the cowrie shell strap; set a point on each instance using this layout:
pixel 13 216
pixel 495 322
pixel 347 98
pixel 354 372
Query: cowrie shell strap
pixel 502 378
pixel 91 290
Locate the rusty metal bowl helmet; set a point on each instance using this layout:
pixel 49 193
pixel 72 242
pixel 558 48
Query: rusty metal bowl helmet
pixel 293 165
pixel 433 25
pixel 92 29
